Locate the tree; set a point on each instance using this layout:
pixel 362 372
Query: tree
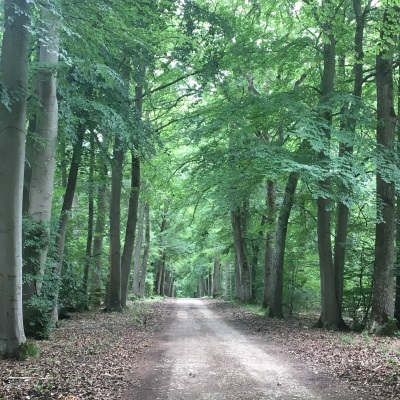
pixel 14 72
pixel 383 288
pixel 41 152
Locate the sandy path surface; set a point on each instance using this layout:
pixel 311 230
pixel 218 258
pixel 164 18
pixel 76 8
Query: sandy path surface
pixel 199 356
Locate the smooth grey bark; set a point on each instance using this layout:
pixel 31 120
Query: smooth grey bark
pixel 268 262
pixel 397 245
pixel 382 310
pixel 397 259
pixel 64 216
pixel 161 261
pixel 146 251
pixel 14 72
pixel 346 150
pixel 137 251
pixel 90 223
pixel 41 154
pixel 227 280
pixel 245 292
pixel 114 289
pixel 237 278
pixel 330 311
pixel 216 279
pixel 276 302
pixel 96 282
pixel 130 228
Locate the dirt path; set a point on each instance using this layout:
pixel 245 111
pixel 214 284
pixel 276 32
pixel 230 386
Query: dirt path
pixel 199 356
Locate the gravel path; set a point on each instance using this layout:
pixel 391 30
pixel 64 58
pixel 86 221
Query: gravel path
pixel 198 356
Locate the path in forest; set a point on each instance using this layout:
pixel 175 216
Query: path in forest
pixel 198 356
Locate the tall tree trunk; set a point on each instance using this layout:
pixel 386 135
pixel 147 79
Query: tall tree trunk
pixel 397 249
pixel 146 251
pixel 237 278
pixel 114 289
pixel 133 197
pixel 397 261
pixel 268 263
pixel 96 283
pixel 280 245
pixel 62 223
pixel 346 150
pixel 14 72
pixel 217 279
pixel 137 251
pixel 241 254
pixel 161 262
pixel 227 280
pixel 130 228
pixel 330 311
pixel 383 289
pixel 89 237
pixel 43 153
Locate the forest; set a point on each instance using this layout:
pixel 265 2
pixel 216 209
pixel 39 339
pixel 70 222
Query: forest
pixel 246 150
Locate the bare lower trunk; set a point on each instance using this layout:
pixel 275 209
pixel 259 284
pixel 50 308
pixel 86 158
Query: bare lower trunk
pixel 276 306
pixel 383 288
pixel 227 280
pixel 161 261
pixel 14 70
pixel 89 237
pixel 42 153
pixel 237 279
pixel 217 279
pixel 268 264
pixel 146 251
pixel 397 249
pixel 137 251
pixel 114 289
pixel 62 224
pixel 96 282
pixel 130 229
pixel 241 254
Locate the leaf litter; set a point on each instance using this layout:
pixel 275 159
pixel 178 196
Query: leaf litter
pixel 88 357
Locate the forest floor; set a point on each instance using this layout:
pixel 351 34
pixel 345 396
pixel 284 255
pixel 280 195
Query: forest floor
pixel 202 349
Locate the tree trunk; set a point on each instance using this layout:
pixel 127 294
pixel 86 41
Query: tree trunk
pixel 330 311
pixel 62 223
pixel 96 283
pixel 280 245
pixel 237 278
pixel 137 251
pixel 130 229
pixel 383 288
pixel 146 251
pixel 346 150
pixel 241 254
pixel 217 279
pixel 161 261
pixel 227 280
pixel 42 154
pixel 397 260
pixel 268 263
pixel 89 238
pixel 14 72
pixel 114 289
pixel 397 249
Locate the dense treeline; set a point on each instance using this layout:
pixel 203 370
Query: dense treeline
pixel 237 149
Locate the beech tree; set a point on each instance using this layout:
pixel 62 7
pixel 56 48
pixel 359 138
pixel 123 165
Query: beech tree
pixel 14 74
pixel 383 287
